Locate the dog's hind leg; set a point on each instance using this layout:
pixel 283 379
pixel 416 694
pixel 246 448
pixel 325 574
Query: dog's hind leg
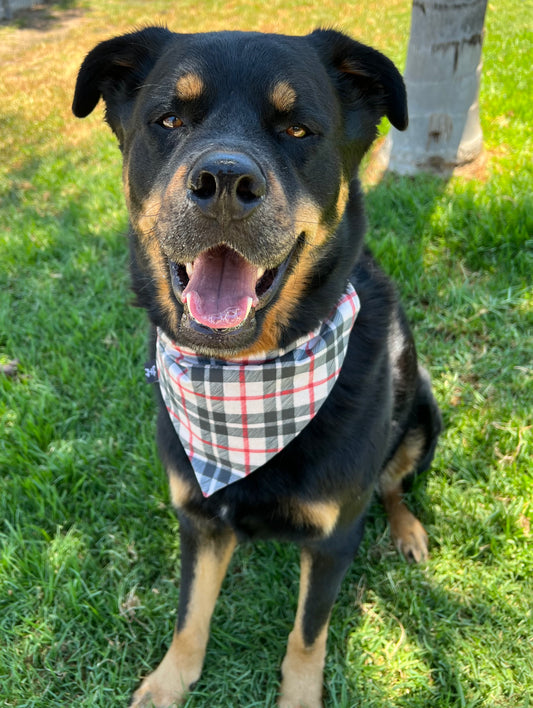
pixel 407 533
pixel 204 561
pixel 414 454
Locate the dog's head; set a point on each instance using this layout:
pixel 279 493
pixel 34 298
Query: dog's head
pixel 239 150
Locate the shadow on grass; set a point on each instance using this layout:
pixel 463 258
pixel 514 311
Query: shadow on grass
pixel 49 235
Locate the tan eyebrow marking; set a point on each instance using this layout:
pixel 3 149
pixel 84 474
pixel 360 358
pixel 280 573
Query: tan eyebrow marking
pixel 189 87
pixel 283 96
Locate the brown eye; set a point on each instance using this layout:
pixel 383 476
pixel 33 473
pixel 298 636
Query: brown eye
pixel 171 122
pixel 296 131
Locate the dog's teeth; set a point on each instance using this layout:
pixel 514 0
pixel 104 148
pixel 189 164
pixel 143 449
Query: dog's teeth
pixel 260 273
pixel 189 269
pixel 249 304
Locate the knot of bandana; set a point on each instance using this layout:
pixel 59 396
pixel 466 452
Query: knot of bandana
pixel 233 415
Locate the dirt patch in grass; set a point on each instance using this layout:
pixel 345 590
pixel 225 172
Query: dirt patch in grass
pixel 45 20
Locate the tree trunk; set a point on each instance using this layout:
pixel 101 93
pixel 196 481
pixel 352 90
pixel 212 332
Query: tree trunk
pixel 442 76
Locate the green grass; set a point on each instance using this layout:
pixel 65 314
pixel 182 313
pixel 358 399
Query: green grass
pixel 89 555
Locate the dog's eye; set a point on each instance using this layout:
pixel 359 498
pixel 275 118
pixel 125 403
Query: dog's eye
pixel 170 122
pixel 297 131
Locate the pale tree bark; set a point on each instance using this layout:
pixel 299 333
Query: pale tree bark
pixel 442 76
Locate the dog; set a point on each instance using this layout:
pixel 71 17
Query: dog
pixel 288 384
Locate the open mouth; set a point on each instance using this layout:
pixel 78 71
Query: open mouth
pixel 220 288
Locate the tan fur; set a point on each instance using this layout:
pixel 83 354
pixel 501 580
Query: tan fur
pixel 407 533
pixel 303 665
pixel 306 219
pixel 126 182
pixel 322 515
pixel 182 664
pixel 342 199
pixel 180 490
pixel 159 271
pixel 190 87
pixel 283 97
pixel 403 462
pixel 349 66
pixel 177 184
pixel 146 220
pixel 276 319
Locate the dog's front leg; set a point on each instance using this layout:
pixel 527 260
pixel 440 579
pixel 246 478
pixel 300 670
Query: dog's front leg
pixel 204 561
pixel 322 569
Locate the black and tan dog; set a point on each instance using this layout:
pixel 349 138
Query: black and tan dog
pixel 240 154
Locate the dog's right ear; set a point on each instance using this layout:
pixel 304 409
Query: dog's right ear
pixel 115 70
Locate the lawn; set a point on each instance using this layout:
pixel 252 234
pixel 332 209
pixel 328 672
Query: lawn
pixel 89 553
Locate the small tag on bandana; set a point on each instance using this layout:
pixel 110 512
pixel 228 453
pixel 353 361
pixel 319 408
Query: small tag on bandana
pixel 150 372
pixel 233 415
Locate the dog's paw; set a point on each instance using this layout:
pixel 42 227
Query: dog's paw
pixel 288 702
pixel 296 700
pixel 410 537
pixel 169 684
pixel 301 685
pixel 152 694
pixel 180 669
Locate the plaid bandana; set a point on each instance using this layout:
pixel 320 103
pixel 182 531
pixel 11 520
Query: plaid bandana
pixel 233 415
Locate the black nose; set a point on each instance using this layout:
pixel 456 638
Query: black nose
pixel 226 185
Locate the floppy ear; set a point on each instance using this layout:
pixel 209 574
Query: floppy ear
pixel 115 69
pixel 364 78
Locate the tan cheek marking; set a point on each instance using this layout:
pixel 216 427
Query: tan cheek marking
pixel 167 302
pixel 126 183
pixel 145 223
pixel 280 313
pixel 308 215
pixel 306 218
pixel 176 186
pixel 342 199
pixel 189 87
pixel 159 269
pixel 283 97
pixel 146 220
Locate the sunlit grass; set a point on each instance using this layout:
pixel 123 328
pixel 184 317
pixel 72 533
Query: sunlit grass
pixel 89 555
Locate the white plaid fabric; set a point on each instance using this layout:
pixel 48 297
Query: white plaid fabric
pixel 232 416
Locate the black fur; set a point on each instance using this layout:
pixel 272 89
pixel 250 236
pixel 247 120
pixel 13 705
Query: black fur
pixel 343 89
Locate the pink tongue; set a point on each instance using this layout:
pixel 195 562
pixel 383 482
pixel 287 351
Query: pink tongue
pixel 221 288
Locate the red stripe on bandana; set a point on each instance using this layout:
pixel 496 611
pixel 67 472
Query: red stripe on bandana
pixel 191 392
pixel 244 421
pixel 311 383
pixel 233 416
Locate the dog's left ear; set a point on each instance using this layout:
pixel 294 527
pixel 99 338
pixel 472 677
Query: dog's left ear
pixel 364 78
pixel 115 70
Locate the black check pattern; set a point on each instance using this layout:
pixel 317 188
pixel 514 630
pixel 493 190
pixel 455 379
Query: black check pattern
pixel 233 415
